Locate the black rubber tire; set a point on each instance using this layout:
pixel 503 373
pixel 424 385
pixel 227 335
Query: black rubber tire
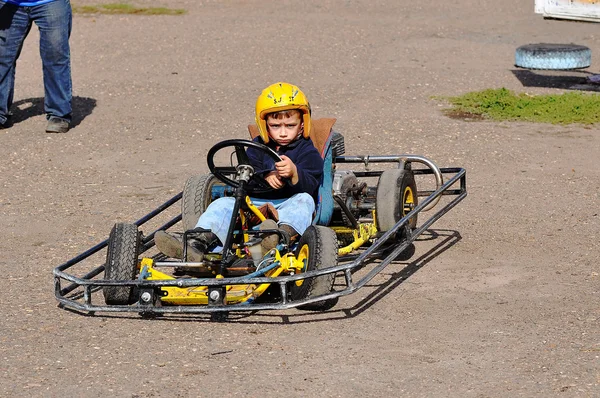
pixel 321 243
pixel 197 195
pixel 121 263
pixel 392 203
pixel 548 56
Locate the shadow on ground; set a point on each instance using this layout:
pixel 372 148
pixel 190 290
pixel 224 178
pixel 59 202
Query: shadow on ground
pixel 568 80
pixel 31 107
pixel 447 239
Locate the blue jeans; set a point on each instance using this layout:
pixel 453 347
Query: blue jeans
pixel 296 212
pixel 54 21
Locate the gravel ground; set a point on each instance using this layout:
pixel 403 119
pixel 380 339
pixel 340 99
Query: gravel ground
pixel 500 299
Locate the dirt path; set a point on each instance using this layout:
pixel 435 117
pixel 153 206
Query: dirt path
pixel 502 301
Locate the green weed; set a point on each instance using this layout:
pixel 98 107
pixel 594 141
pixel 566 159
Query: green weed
pixel 503 104
pixel 124 8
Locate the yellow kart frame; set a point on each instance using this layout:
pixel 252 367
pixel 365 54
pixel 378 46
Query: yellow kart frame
pixel 286 264
pixel 155 291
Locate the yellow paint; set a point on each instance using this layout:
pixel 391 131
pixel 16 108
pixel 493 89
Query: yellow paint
pixel 374 215
pixel 254 209
pixel 194 295
pixel 198 295
pixel 303 255
pixel 408 202
pixel 361 235
pixel 243 222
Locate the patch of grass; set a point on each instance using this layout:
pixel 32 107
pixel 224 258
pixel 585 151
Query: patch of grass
pixel 124 8
pixel 503 104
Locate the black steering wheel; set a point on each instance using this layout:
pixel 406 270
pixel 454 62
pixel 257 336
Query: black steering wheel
pixel 256 183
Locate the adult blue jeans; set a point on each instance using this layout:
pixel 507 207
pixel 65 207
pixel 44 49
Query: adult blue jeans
pixel 297 212
pixel 54 20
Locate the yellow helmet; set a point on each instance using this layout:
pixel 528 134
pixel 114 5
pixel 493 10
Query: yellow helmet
pixel 281 97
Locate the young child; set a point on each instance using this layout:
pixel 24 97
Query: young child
pixel 284 124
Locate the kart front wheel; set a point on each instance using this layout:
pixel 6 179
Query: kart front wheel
pixel 121 263
pixel 318 249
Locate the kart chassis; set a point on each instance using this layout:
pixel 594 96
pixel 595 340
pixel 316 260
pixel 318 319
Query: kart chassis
pixel 77 293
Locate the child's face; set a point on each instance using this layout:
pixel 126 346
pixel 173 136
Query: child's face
pixel 285 129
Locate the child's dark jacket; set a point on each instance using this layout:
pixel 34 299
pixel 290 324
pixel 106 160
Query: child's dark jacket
pixel 307 160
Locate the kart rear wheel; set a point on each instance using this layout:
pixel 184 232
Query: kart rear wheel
pixel 197 195
pixel 121 263
pixel 318 248
pixel 396 197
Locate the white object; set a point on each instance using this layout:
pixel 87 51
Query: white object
pixel 255 249
pixel 582 10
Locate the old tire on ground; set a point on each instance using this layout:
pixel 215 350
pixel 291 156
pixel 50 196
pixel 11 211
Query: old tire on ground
pixel 553 56
pixel 121 263
pixel 319 248
pixel 197 195
pixel 396 197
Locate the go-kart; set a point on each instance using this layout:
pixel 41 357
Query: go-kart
pixel 354 223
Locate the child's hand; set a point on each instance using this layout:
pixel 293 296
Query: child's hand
pixel 287 169
pixel 274 180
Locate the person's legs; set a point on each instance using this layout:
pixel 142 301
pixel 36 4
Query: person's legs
pixel 217 217
pixel 297 211
pixel 171 244
pixel 54 20
pixel 14 27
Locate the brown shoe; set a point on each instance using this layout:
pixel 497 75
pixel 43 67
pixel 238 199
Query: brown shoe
pixel 291 232
pixel 269 241
pixel 171 244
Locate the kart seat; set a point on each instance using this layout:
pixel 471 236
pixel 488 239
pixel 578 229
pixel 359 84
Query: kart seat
pixel 321 137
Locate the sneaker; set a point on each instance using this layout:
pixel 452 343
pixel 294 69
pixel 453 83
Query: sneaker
pixel 57 125
pixel 171 244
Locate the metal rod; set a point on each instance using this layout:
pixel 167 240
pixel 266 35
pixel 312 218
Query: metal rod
pixel 346 211
pixel 345 267
pixel 103 244
pixel 240 194
pixel 367 159
pixel 97 271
